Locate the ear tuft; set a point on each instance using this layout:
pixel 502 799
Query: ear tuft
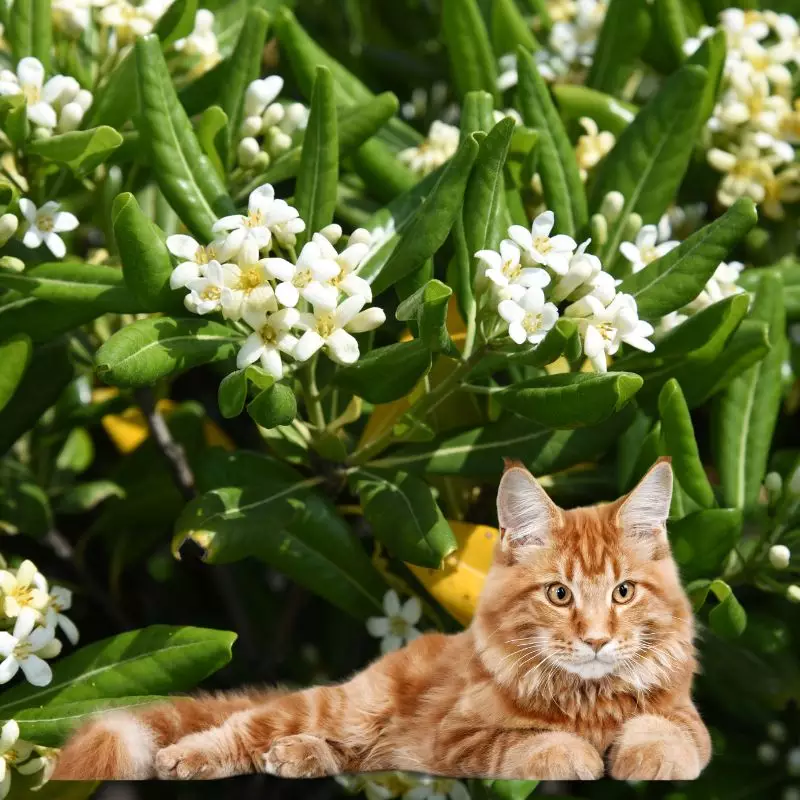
pixel 645 510
pixel 525 513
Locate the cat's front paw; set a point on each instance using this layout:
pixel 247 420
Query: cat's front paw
pixel 563 757
pixel 652 748
pixel 195 757
pixel 300 756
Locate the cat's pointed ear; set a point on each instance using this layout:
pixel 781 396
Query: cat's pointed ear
pixel 527 516
pixel 643 513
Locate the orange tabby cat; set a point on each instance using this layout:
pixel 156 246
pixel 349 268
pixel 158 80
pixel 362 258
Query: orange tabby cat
pixel 581 648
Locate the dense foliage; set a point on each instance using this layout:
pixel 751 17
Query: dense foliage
pixel 261 319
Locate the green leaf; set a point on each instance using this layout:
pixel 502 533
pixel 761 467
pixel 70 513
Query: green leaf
pixel 43 320
pixel 87 496
pixel 679 439
pixel 232 394
pixel 25 508
pixel 272 513
pixel 466 39
pixel 42 32
pixel 16 125
pixel 701 541
pixel 572 399
pixel 382 173
pixel 748 410
pixel 176 22
pixel 476 115
pixel 650 157
pixel 431 224
pixel 185 175
pixel 711 57
pixel 511 790
pixel 510 29
pixel 727 619
pixel 77 453
pixel 404 515
pixel 20 28
pixel 318 178
pixel 212 133
pixel 626 28
pixel 73 283
pixel 146 262
pixel 386 373
pixel 150 661
pixel 51 725
pixel 15 355
pixel 273 406
pixel 479 452
pixel 427 307
pixel 676 21
pixel 81 151
pixel 154 348
pixel 242 69
pixel 675 279
pixel 563 189
pixel 608 112
pixel 48 373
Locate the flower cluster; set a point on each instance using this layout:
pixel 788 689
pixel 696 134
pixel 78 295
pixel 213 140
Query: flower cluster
pixel 31 614
pixel 128 21
pixel 57 105
pixel 592 146
pixel 293 306
pixel 201 44
pixel 439 147
pixel 754 124
pixel 532 262
pixel 268 126
pixel 25 757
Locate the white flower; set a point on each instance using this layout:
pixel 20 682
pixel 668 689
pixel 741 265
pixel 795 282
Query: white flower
pixel 431 788
pixel 205 292
pixel 309 278
pixel 266 216
pixel 44 225
pixel 60 600
pixel 397 627
pixel 508 76
pixel 13 750
pixel 128 21
pixel 670 321
pixel 592 146
pixel 330 328
pixel 530 318
pixel 26 649
pixel 746 169
pixel 29 81
pixel 605 328
pixel 439 147
pixel 539 247
pixel 692 43
pixel 202 41
pixel 261 94
pixel 739 25
pixel 780 556
pixel 295 118
pixel 348 262
pixel 72 17
pixel 645 250
pixel 247 288
pixel 583 268
pixel 504 268
pixel 271 336
pixel 26 589
pixel 195 257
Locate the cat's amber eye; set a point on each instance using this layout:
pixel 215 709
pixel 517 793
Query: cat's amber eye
pixel 558 594
pixel 624 592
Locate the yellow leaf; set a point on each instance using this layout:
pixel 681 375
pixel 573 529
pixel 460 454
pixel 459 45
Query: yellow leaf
pixel 459 582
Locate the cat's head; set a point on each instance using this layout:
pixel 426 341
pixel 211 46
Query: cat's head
pixel 588 594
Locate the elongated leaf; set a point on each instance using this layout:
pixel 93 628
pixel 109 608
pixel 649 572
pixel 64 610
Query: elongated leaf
pixel 749 408
pixel 510 29
pixel 185 175
pixel 81 151
pixel 151 349
pixel 711 57
pixel 609 113
pixel 431 225
pixel 386 373
pixel 272 513
pixel 572 399
pixel 150 661
pixel 20 28
pixel 86 496
pixel 52 724
pixel 480 451
pixel 75 284
pixel 42 32
pixel 624 34
pixel 675 279
pixel 677 20
pixel 472 62
pixel 318 178
pixel 679 439
pixel 404 516
pixel 701 541
pixel 563 189
pixel 176 22
pixel 213 135
pixel 650 157
pixel 15 355
pixel 427 309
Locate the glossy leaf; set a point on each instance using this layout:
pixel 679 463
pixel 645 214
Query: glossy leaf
pixel 318 177
pixel 154 348
pixel 404 515
pixel 273 406
pixel 701 541
pixel 675 279
pixel 150 661
pixel 232 394
pixel 213 135
pixel 563 189
pixel 427 308
pixel 607 111
pixel 84 497
pixel 15 355
pixel 81 151
pixel 510 29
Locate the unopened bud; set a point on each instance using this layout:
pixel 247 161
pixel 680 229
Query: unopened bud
pixel 360 236
pixel 297 116
pixel 767 753
pixel 631 227
pixel 8 227
pixel 773 483
pixel 251 126
pixel 273 115
pixel 612 205
pixel 779 556
pixel 42 133
pixel 279 141
pixel 247 152
pixel 83 99
pixel 70 118
pixel 599 229
pixel 793 593
pixel 332 232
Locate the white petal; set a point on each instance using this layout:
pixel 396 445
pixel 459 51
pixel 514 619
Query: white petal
pixel 391 603
pixel 26 621
pixel 250 351
pixel 30 72
pixel 378 627
pixel 271 361
pixel 391 643
pixel 412 610
pixel 533 276
pixel 279 268
pixel 630 251
pixel 42 115
pixel 510 311
pixel 491 258
pixel 8 735
pixel 509 252
pixel 8 669
pixel 7 643
pixel 64 221
pixel 32 238
pixel 310 342
pixel 261 198
pixel 347 310
pixel 230 223
pixel 36 670
pixel 287 294
pixel 69 628
pixel 517 332
pixel 320 296
pixel 41 637
pixel 183 274
pixel 353 285
pixel 367 320
pixel 28 209
pixel 183 246
pixel 521 236
pixel 543 224
pixel 342 347
pixel 640 343
pixel 647 236
pixel 592 342
pixel 55 244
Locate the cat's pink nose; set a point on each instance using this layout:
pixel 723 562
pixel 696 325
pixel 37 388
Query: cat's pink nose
pixel 596 644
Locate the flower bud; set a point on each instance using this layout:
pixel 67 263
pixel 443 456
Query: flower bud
pixel 773 483
pixel 247 152
pixel 279 141
pixel 70 118
pixel 631 227
pixel 297 116
pixel 767 753
pixel 273 115
pixel 599 229
pixel 332 232
pixel 793 593
pixel 360 236
pixel 251 126
pixel 612 205
pixel 42 133
pixel 779 556
pixel 83 99
pixel 776 731
pixel 8 227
